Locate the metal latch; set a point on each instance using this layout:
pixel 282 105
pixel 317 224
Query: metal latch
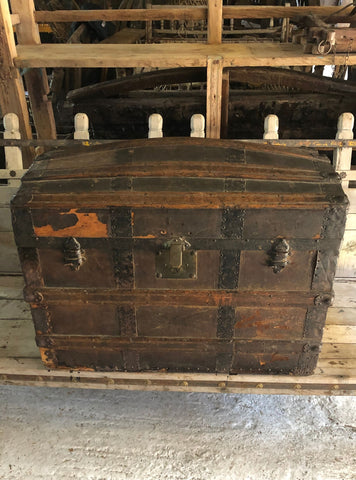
pixel 279 255
pixel 176 259
pixel 74 255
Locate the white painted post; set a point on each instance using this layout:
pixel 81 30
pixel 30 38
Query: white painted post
pixel 155 125
pixel 271 126
pixel 342 156
pixel 81 127
pixel 197 126
pixel 13 155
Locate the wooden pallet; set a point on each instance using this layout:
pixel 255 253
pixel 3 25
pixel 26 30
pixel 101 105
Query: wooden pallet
pixel 20 362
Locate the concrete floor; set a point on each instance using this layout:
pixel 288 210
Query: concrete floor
pixel 107 435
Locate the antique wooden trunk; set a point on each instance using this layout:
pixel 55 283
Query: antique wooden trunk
pixel 180 255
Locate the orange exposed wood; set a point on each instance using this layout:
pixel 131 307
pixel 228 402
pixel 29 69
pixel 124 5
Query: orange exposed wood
pixel 88 225
pixel 45 359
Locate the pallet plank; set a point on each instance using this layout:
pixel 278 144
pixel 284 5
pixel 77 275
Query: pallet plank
pixel 339 334
pixel 9 261
pixel 17 339
pixel 346 365
pixel 338 350
pixel 14 309
pixel 5 220
pixel 28 371
pixel 6 193
pixel 11 287
pixel 346 265
pixel 351 194
pixel 341 316
pixel 351 222
pixel 344 293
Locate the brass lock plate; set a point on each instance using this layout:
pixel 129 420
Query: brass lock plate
pixel 176 260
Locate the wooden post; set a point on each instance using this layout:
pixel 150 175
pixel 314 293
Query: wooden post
pixel 155 124
pixel 12 93
pixel 214 71
pixel 285 27
pixel 197 126
pixel 35 79
pixel 13 155
pixel 225 96
pixel 81 127
pixel 342 156
pixel 215 20
pixel 271 127
pixel 148 24
pixel 213 99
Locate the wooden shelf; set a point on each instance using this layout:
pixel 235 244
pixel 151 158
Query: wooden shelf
pixel 335 374
pixel 170 55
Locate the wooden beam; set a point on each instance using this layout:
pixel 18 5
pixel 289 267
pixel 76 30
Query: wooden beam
pixel 213 97
pixel 171 55
pixel 148 24
pixel 225 94
pixel 271 11
pixel 185 13
pixel 12 93
pixel 27 29
pixel 15 19
pixel 314 143
pixel 214 21
pixel 139 14
pixel 36 80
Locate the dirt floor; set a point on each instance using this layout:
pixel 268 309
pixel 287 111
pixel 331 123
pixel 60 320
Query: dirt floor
pixel 107 435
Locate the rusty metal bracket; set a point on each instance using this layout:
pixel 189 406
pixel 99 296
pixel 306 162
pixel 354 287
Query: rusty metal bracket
pixel 176 259
pixel 74 256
